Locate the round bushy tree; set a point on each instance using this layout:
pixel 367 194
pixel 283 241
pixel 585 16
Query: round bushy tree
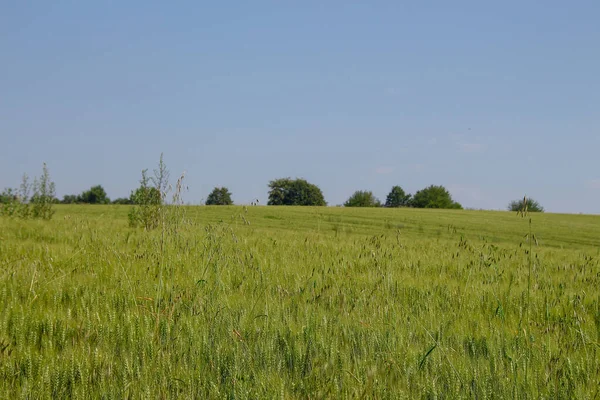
pixel 220 196
pixel 434 197
pixel 294 192
pixel 531 204
pixel 362 198
pixel 96 195
pixel 397 198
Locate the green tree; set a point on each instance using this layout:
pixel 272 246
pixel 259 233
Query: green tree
pixel 525 204
pixel 362 198
pixel 96 195
pixel 294 192
pixel 397 198
pixel 220 196
pixel 70 199
pixel 434 197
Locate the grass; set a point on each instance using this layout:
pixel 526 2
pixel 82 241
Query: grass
pixel 268 302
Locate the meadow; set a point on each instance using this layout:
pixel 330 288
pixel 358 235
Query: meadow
pixel 300 302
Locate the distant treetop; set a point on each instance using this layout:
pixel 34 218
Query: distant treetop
pixel 397 198
pixel 220 196
pixel 362 198
pixel 434 197
pixel 520 205
pixel 294 192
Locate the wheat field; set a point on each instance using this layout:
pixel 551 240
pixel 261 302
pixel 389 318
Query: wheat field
pixel 300 302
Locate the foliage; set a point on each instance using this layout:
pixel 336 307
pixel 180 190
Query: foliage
pixel 70 199
pixel 18 203
pixel 434 197
pixel 161 178
pixel 302 303
pixel 525 204
pixel 21 208
pixel 147 200
pixel 150 209
pixel 294 192
pixel 8 196
pixel 123 200
pixel 9 202
pixel 219 197
pixel 95 195
pixel 44 196
pixel 397 198
pixel 145 194
pixel 362 198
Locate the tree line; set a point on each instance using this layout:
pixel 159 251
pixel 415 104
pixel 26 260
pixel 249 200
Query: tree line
pixel 36 200
pixel 299 192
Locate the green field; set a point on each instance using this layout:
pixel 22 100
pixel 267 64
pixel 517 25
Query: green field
pixel 275 302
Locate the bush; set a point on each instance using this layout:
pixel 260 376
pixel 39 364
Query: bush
pixel 294 192
pixel 362 198
pixel 43 196
pixel 219 197
pixel 526 204
pixel 17 203
pixel 434 197
pixel 8 196
pixel 149 198
pixel 10 202
pixel 145 194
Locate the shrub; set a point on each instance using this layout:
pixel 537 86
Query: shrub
pixel 17 203
pixel 43 196
pixel 362 198
pixel 9 202
pixel 8 196
pixel 147 200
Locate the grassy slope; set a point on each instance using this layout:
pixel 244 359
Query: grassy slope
pixel 300 302
pixel 554 230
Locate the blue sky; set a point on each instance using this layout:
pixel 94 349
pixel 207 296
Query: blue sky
pixel 493 101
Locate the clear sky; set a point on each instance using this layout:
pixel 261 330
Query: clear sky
pixel 494 100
